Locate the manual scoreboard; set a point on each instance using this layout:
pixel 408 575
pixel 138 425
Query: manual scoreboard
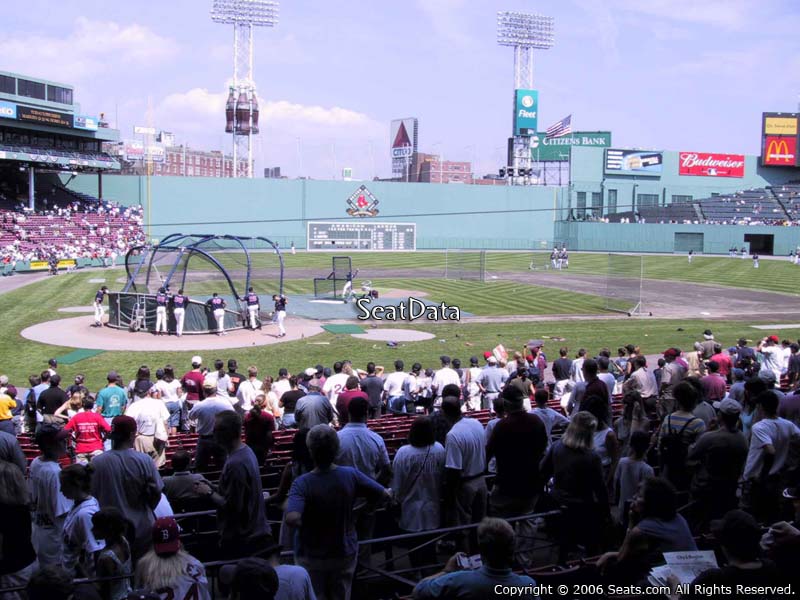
pixel 360 235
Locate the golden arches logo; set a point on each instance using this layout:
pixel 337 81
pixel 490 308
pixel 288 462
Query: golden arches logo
pixel 778 150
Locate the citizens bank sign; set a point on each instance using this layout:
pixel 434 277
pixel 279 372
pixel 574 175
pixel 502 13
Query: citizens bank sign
pixel 705 164
pixel 544 149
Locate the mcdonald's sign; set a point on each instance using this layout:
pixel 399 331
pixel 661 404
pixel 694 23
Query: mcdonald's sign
pixel 779 151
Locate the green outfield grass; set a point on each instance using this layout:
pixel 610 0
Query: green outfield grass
pixel 39 301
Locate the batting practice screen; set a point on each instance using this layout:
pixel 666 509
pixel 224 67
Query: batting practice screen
pixel 360 236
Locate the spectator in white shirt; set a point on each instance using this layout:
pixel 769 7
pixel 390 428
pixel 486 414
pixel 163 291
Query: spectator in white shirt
pixel 443 377
pixel 335 384
pixel 393 388
pixel 281 385
pixel 248 390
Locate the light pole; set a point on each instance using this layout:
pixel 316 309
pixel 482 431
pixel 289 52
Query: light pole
pixel 241 109
pixel 524 32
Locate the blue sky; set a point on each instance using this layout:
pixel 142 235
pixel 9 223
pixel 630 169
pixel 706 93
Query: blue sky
pixel 666 74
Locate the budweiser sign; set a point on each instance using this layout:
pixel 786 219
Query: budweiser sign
pixel 711 165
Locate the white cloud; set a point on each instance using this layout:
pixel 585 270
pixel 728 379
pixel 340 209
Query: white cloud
pixel 91 48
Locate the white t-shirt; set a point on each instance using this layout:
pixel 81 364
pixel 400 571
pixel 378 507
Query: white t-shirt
pixel 333 385
pixel 393 386
pixel 474 373
pixel 778 433
pixel 773 360
pixel 442 377
pixel 169 390
pixel 465 446
pixel 576 370
pixel 248 390
pixel 418 487
pixel 294 583
pixel 191 584
pixel 150 415
pixel 78 537
pixel 280 387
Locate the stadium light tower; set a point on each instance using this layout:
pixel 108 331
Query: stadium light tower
pixel 524 32
pixel 241 109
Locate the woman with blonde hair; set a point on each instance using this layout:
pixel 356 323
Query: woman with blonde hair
pixel 271 405
pixel 168 568
pixel 17 557
pixel 70 408
pixel 578 485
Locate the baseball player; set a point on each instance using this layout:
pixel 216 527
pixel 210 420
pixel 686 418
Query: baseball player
pixel 252 308
pixel 217 306
pixel 280 313
pixel 98 306
pixel 179 304
pixel 161 311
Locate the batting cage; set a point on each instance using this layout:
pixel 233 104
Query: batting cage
pixel 465 264
pixel 200 265
pixel 336 285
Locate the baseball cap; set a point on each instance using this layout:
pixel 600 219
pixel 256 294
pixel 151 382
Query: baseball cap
pixel 732 350
pixel 319 368
pixel 491 360
pixel 283 372
pixel 112 376
pixel 310 372
pixel 197 360
pixel 742 341
pixel 52 362
pixel 473 360
pixel 767 375
pixel 707 333
pixel 142 387
pixel 166 536
pixel 736 527
pixel 3 379
pixel 487 355
pixel 445 359
pixel 774 338
pixel 122 427
pixel 729 406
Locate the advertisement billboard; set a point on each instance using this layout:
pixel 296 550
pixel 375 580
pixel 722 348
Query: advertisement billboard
pixel 544 149
pixel 403 145
pixel 526 110
pixel 782 125
pixel 84 122
pixel 705 164
pixel 41 116
pixel 8 110
pixel 133 150
pixel 779 151
pixel 634 162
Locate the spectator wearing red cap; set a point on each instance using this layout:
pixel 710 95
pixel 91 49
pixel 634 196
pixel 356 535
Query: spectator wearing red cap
pixel 772 355
pixel 127 480
pixel 671 375
pixel 168 568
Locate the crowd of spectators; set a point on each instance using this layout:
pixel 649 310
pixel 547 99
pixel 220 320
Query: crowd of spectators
pixel 634 455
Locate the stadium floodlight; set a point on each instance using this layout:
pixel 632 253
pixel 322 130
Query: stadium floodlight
pixel 524 32
pixel 241 110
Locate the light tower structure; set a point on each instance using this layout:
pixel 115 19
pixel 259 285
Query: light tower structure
pixel 241 108
pixel 524 32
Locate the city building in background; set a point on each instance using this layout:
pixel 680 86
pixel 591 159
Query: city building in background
pixel 403 136
pixel 435 170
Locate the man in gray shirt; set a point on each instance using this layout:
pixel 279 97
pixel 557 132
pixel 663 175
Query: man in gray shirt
pixel 491 381
pixel 205 413
pixel 10 451
pixel 313 408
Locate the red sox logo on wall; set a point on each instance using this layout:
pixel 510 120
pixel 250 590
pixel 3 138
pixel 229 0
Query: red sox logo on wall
pixel 362 203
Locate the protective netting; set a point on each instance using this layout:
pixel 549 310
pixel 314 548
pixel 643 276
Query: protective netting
pixel 624 277
pixel 465 264
pixel 335 284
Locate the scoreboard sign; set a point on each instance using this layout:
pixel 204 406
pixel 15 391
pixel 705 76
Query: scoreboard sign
pixel 42 116
pixel 780 140
pixel 355 236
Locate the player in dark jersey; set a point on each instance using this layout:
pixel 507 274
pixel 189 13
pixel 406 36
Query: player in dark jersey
pixel 98 306
pixel 179 304
pixel 217 306
pixel 161 311
pixel 252 308
pixel 280 312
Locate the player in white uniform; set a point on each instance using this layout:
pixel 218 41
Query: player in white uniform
pixel 179 304
pixel 161 311
pixel 99 310
pixel 280 313
pixel 217 306
pixel 252 308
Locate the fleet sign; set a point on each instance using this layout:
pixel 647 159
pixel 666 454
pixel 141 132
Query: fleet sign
pixel 526 109
pixel 558 149
pixel 8 110
pixel 706 164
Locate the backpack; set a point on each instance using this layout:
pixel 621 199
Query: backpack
pixel 30 405
pixel 672 448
